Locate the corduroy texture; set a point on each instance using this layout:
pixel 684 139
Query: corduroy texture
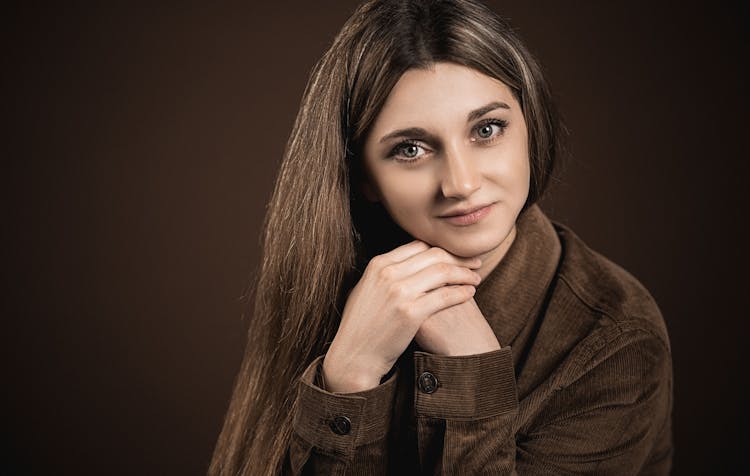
pixel 364 410
pixel 470 387
pixel 582 385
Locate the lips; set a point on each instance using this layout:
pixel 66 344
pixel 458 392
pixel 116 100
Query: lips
pixel 467 216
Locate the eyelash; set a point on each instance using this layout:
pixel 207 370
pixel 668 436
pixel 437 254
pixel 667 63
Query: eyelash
pixel 501 123
pixel 397 150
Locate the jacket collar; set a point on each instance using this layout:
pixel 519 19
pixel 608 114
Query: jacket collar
pixel 515 288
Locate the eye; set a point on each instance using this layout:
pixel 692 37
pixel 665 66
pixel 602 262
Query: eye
pixel 407 151
pixel 489 129
pixel 485 132
pixel 410 151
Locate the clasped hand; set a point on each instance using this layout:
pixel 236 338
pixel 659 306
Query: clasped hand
pixel 412 292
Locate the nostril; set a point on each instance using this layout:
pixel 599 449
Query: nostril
pixel 460 177
pixel 460 185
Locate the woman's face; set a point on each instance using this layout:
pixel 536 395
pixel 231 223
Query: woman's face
pixel 448 158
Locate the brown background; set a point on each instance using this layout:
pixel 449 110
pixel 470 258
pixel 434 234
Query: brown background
pixel 140 148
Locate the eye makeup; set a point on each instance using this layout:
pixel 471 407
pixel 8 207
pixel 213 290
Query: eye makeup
pixel 407 151
pixel 496 129
pixel 485 132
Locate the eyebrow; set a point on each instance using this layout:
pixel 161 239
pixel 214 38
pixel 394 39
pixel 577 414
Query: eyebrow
pixel 419 132
pixel 416 132
pixel 477 113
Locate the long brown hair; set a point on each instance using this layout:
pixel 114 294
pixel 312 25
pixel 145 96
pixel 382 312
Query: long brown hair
pixel 315 235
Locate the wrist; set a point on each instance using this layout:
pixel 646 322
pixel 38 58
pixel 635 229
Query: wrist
pixel 347 378
pixel 474 350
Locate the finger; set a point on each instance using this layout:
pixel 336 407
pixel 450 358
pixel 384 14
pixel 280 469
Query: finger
pixel 431 257
pixel 402 253
pixel 443 298
pixel 436 276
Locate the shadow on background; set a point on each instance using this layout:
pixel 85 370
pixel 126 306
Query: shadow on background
pixel 141 148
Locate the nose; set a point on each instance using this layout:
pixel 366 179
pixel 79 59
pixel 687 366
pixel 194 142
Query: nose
pixel 460 177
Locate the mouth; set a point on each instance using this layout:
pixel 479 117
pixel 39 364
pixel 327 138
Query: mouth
pixel 467 216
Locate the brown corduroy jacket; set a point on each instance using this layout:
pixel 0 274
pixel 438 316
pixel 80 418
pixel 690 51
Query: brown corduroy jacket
pixel 582 384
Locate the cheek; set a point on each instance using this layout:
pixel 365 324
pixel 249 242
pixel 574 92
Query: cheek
pixel 516 167
pixel 520 170
pixel 510 168
pixel 403 193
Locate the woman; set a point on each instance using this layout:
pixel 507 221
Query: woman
pixel 416 312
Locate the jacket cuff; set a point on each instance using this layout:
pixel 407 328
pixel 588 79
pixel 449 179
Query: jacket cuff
pixel 467 387
pixel 337 423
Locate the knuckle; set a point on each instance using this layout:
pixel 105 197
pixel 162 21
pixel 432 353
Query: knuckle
pixel 396 292
pixel 439 253
pixel 455 294
pixel 443 269
pixel 377 262
pixel 386 273
pixel 405 310
pixel 467 292
pixel 449 295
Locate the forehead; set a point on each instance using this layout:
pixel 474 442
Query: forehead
pixel 438 92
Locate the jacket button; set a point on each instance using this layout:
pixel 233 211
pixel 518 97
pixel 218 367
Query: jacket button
pixel 341 425
pixel 427 382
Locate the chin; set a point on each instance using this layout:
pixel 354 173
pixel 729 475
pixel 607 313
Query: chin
pixel 472 246
pixel 468 251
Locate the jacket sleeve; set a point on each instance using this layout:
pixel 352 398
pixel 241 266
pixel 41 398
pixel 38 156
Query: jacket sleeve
pixel 607 419
pixel 466 405
pixel 339 433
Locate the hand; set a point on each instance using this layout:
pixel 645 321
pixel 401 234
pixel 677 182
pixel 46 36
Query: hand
pixel 397 292
pixel 458 330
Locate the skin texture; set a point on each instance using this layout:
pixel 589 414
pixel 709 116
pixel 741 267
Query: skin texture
pixel 445 163
pixel 455 168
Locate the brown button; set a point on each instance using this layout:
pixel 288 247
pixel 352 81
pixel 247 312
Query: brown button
pixel 341 425
pixel 427 382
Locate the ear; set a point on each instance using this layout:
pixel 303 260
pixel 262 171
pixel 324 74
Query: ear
pixel 369 191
